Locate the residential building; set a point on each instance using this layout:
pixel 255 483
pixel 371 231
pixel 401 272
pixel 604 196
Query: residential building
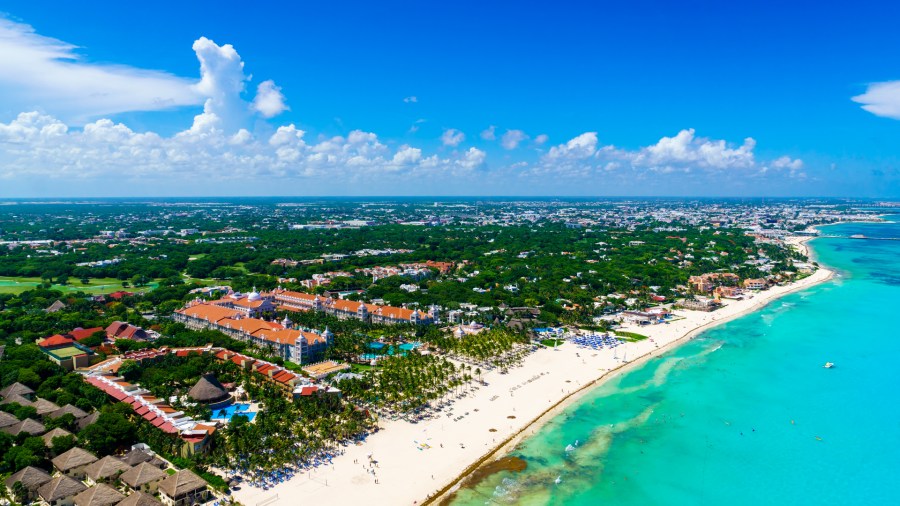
pixel 183 488
pixel 755 284
pixel 99 495
pixel 106 469
pixel 74 462
pixel 60 491
pixel 143 477
pixel 31 478
pixel 123 330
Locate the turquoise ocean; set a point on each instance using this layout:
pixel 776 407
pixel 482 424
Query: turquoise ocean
pixel 744 413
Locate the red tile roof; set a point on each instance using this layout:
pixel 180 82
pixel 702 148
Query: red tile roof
pixel 55 340
pixel 79 333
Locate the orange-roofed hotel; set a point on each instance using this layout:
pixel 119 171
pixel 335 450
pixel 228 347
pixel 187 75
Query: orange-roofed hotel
pixel 293 345
pixel 345 309
pixel 237 315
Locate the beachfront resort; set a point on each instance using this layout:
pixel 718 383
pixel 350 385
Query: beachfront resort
pixel 338 378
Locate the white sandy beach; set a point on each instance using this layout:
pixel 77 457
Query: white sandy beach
pixel 515 404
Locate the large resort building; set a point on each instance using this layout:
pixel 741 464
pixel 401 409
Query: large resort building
pixel 346 309
pixel 231 316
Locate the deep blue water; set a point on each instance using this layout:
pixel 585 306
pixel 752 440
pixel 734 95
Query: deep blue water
pixel 745 413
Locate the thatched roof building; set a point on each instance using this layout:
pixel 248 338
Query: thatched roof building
pixel 60 489
pixel 57 432
pixel 31 477
pixel 208 390
pixel 101 495
pixel 139 499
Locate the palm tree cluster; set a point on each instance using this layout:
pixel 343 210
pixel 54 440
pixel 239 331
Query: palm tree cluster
pixel 407 385
pixel 287 434
pixel 494 348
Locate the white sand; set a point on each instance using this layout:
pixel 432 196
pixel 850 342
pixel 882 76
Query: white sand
pixel 408 475
pixel 799 244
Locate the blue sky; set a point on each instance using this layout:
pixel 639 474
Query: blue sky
pixel 630 98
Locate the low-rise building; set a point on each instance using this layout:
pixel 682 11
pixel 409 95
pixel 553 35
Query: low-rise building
pixel 755 284
pixel 60 491
pixel 66 352
pixel 74 462
pixel 183 488
pixel 31 478
pixel 143 477
pixel 123 330
pixel 106 469
pixel 98 495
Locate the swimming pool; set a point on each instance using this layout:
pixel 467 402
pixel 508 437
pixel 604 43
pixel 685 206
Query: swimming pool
pixel 228 412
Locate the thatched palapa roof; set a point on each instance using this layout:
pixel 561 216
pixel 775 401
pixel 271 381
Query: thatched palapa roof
pixel 29 426
pixel 142 474
pixel 139 499
pixel 182 482
pixel 17 399
pixel 31 477
pixel 59 488
pixel 68 408
pixel 76 457
pixel 7 419
pixel 100 495
pixel 16 389
pixel 43 406
pixel 105 468
pixel 57 432
pixel 208 390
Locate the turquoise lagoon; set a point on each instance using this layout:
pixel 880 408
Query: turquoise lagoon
pixel 744 413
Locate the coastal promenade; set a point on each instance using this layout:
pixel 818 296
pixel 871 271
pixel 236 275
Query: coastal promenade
pixel 415 463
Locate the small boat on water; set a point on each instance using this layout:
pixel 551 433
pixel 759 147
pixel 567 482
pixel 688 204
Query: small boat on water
pixel 828 365
pixel 558 480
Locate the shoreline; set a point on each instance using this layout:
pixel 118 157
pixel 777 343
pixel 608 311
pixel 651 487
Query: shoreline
pixel 536 424
pixel 487 424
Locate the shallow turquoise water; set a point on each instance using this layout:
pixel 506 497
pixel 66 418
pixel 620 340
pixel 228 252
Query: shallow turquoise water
pixel 745 413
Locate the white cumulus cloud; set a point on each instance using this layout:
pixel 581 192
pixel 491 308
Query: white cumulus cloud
pixel 881 99
pixel 583 146
pixel 42 72
pixel 685 149
pixel 407 155
pixel 512 138
pixel 452 137
pixel 489 134
pixel 473 159
pixel 269 101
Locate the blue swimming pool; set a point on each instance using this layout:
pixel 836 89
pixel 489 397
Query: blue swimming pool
pixel 238 408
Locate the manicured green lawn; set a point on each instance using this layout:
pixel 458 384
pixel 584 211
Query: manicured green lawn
pixel 552 342
pixel 95 286
pixel 203 281
pixel 358 368
pixel 630 336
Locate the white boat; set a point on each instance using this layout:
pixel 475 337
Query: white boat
pixel 828 365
